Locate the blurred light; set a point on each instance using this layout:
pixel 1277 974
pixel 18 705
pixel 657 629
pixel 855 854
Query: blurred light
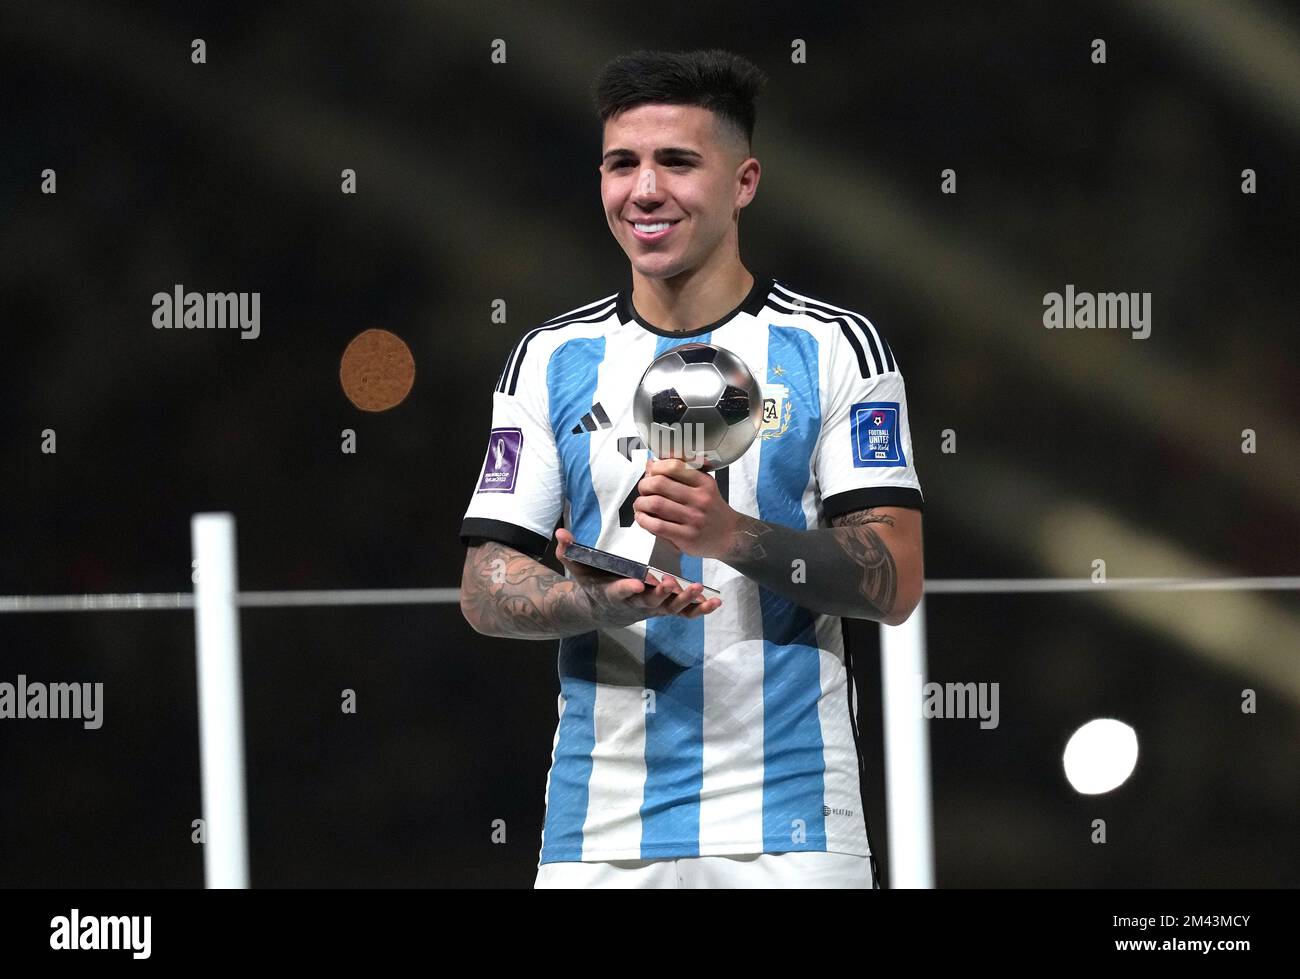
pixel 1100 756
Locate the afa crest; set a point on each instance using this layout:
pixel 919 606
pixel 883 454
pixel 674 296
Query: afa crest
pixel 777 411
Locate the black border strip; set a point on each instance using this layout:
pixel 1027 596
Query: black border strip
pixel 839 504
pixel 474 530
pixel 752 304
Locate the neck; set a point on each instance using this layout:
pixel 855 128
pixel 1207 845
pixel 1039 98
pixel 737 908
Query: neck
pixel 691 299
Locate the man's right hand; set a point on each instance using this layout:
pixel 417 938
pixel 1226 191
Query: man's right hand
pixel 623 601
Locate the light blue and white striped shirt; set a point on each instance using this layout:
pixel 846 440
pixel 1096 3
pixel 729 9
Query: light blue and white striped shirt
pixel 730 733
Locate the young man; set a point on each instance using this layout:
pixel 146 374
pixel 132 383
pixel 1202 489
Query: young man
pixel 708 743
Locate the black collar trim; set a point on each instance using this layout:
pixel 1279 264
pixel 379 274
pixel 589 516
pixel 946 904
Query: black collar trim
pixel 752 304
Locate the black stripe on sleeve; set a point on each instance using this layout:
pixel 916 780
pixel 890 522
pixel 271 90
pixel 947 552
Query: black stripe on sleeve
pixel 845 324
pixel 519 359
pixel 881 355
pixel 596 317
pixel 877 357
pixel 889 354
pixel 505 371
pixel 857 347
pixel 474 530
pixel 838 504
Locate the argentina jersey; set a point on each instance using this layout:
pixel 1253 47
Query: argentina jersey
pixel 733 732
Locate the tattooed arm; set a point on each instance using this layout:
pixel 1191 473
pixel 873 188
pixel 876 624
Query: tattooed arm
pixel 504 592
pixel 867 565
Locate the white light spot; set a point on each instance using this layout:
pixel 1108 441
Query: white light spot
pixel 1100 756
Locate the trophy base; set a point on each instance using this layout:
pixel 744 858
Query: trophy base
pixel 627 568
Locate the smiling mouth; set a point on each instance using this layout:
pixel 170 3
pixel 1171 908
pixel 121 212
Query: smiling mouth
pixel 651 230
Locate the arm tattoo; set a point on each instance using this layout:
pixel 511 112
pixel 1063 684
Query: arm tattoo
pixel 507 593
pixel 877 575
pixel 848 569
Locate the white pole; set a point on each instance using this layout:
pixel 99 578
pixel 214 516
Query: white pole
pixel 221 715
pixel 907 753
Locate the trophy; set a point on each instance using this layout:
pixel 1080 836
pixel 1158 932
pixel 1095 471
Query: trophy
pixel 698 403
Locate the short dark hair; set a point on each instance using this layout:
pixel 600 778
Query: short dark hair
pixel 724 83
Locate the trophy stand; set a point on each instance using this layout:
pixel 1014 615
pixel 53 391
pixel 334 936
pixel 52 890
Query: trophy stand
pixel 665 556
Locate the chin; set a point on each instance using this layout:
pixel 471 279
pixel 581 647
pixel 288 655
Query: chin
pixel 657 266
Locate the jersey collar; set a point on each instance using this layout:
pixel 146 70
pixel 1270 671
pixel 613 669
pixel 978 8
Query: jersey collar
pixel 751 304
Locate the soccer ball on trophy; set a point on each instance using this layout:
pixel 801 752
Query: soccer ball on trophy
pixel 698 403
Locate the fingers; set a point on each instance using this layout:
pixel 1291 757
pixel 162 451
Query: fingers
pixel 703 608
pixel 666 597
pixel 679 600
pixel 675 469
pixel 652 596
pixel 663 508
pixel 659 596
pixel 685 599
pixel 626 588
pixel 664 486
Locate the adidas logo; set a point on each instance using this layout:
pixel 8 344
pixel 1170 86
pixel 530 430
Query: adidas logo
pixel 592 420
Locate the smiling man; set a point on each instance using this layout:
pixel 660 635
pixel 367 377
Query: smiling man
pixel 701 743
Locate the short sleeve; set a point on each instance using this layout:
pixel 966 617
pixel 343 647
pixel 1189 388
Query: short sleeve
pixel 864 455
pixel 519 493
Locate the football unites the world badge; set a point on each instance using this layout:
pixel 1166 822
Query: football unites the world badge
pixel 874 432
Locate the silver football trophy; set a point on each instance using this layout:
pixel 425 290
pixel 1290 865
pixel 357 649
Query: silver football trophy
pixel 698 403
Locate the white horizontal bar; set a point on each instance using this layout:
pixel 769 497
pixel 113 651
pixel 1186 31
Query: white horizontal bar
pixel 448 596
pixel 956 586
pixel 352 596
pixel 96 603
pixel 247 599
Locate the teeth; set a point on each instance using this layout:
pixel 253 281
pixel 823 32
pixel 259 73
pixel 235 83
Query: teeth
pixel 650 229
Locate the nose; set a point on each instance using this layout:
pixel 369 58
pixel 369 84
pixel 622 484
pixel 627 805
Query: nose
pixel 647 194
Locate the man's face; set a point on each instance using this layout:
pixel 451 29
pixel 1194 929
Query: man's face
pixel 666 163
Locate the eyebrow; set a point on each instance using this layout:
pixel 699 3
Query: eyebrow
pixel 660 154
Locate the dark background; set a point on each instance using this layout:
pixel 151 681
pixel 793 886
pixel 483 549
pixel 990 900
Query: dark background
pixel 477 182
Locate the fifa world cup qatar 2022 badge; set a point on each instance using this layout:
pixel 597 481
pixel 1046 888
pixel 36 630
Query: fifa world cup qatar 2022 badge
pixel 502 462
